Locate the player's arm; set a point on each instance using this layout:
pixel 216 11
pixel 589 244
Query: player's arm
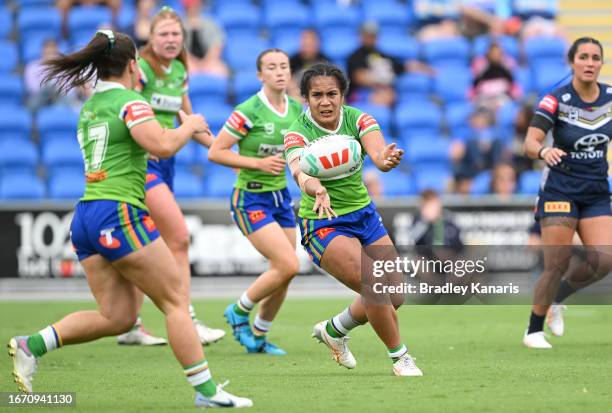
pixel 543 121
pixel 154 138
pixel 385 157
pixel 221 152
pixel 203 138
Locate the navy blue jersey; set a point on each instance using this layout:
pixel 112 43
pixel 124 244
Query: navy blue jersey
pixel 581 129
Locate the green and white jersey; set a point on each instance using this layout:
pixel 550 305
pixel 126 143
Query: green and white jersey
pixel 165 95
pixel 259 129
pixel 346 194
pixel 115 165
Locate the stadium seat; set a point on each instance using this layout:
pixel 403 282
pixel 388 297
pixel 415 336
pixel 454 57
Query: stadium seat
pixel 504 120
pixel 15 121
pixel 23 4
pixel 208 87
pixel 292 186
pixel 18 155
pixel 246 23
pixel 391 16
pixel 414 86
pixel 6 22
pixel 83 21
pixel 60 153
pixel 545 49
pixel 522 76
pixel 509 45
pixel 526 9
pixel 21 186
pixel 481 184
pixel 417 118
pixel 286 15
pixel 338 47
pixel 436 179
pixel 188 185
pixel 425 151
pixel 57 122
pixel 610 183
pixel 41 22
pixel 66 185
pixel 453 83
pixel 11 89
pixel 126 16
pixel 529 182
pixel 397 183
pixel 547 77
pixel 219 182
pixel 382 114
pixel 457 119
pixel 400 46
pixel 241 52
pixel 334 15
pixel 216 114
pixel 244 85
pixel 185 158
pixel 287 41
pixel 453 51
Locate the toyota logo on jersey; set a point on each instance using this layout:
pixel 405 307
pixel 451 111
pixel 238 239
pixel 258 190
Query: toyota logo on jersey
pixel 588 143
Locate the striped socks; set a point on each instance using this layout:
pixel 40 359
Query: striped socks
pixel 340 325
pixel 45 340
pixel 261 326
pixel 397 352
pixel 244 305
pixel 198 375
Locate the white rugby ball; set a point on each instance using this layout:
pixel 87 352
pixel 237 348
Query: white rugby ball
pixel 331 157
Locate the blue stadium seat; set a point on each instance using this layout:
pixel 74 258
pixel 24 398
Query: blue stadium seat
pixel 545 49
pixel 208 87
pixel 11 89
pixel 241 52
pixel 453 83
pixel 216 114
pixel 57 122
pixel 333 15
pixel 425 151
pixel 15 121
pixel 41 22
pixel 292 186
pixel 414 86
pixel 453 51
pixel 457 120
pixel 21 186
pixel 417 118
pixel 504 120
pixel 526 9
pixel 286 15
pixel 338 47
pixel 23 4
pixel 381 113
pixel 66 185
pixel 391 16
pixel 6 22
pixel 60 153
pixel 245 84
pixel 509 45
pixel 610 183
pixel 287 41
pixel 481 185
pixel 529 182
pixel 246 22
pixel 397 183
pixel 522 76
pixel 18 155
pixel 187 185
pixel 185 158
pixel 83 21
pixel 547 77
pixel 220 182
pixel 126 16
pixel 400 46
pixel 436 179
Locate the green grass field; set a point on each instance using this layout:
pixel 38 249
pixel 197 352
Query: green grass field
pixel 471 356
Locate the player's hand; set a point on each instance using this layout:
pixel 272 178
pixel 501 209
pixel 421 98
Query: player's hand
pixel 194 121
pixel 552 156
pixel 322 204
pixel 392 156
pixel 274 164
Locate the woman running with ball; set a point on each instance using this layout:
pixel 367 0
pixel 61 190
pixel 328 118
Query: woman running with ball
pixel 339 223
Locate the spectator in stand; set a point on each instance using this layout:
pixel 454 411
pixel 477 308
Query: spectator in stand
pixel 479 152
pixel 493 81
pixel 372 73
pixel 308 54
pixel 205 41
pixel 140 29
pixel 521 124
pixel 436 18
pixel 503 180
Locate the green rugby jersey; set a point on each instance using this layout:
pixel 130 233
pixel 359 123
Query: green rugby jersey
pixel 346 194
pixel 115 165
pixel 165 95
pixel 260 130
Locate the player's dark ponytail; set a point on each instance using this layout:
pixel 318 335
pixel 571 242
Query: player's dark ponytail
pixel 323 69
pixel 571 53
pixel 106 55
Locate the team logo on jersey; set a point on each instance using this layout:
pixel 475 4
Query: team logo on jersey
pixel 159 83
pixel 337 159
pixel 366 122
pixel 107 240
pixel 588 143
pixel 148 223
pixel 549 103
pixel 294 140
pixel 96 176
pixel 566 97
pixel 573 114
pixel 269 128
pixel 256 216
pixel 240 123
pixel 324 232
pixel 557 207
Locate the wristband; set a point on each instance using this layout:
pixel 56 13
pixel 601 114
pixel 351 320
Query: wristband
pixel 540 155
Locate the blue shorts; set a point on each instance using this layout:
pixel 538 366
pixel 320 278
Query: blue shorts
pixel 565 196
pixel 110 228
pixel 253 210
pixel 160 172
pixel 365 224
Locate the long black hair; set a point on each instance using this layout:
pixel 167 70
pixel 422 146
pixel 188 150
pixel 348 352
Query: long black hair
pixel 106 55
pixel 323 69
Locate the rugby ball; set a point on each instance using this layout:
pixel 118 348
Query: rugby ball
pixel 331 157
